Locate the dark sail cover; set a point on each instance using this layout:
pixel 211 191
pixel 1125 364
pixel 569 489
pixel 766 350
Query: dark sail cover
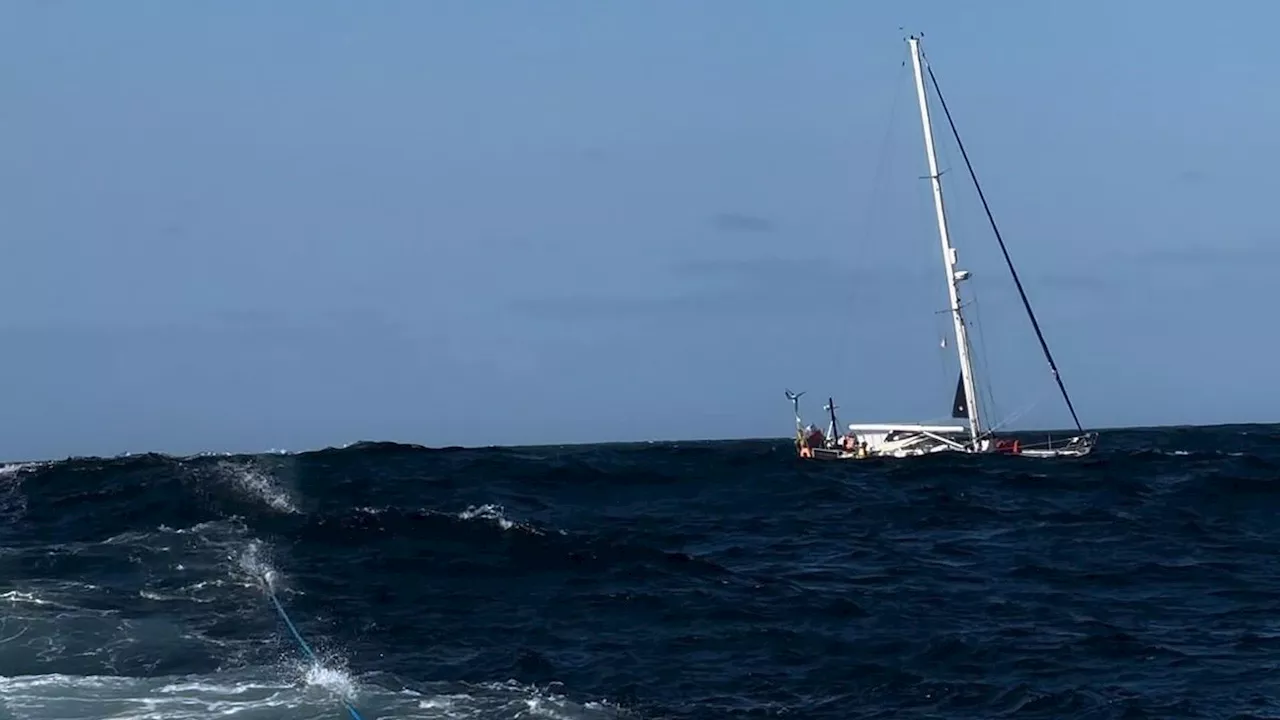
pixel 959 408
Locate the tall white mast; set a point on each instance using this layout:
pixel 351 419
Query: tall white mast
pixel 954 277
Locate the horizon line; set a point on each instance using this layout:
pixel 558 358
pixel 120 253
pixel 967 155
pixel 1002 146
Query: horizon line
pixel 664 441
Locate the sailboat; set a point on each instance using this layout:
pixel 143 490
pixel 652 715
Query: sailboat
pixel 898 440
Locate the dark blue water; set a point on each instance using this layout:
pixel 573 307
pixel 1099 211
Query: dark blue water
pixel 701 580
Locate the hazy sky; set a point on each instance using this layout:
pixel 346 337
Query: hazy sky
pixel 246 225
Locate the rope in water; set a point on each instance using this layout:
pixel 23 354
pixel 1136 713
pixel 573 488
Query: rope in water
pixel 306 649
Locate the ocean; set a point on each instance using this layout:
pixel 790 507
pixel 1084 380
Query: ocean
pixel 660 580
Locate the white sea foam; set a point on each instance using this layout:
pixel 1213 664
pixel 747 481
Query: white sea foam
pixel 255 481
pixel 254 694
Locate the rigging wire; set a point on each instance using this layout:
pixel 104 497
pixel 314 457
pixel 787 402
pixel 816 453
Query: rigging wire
pixel 878 183
pixel 983 362
pixel 985 398
pixel 1005 422
pixel 882 157
pixel 1044 345
pixel 944 357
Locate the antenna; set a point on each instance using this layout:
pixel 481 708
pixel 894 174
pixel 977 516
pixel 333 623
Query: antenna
pixel 830 407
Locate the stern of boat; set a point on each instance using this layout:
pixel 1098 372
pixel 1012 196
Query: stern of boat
pixel 1072 447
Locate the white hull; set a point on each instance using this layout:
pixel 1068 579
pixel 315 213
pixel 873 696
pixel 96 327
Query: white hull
pixel 864 442
pixel 1078 446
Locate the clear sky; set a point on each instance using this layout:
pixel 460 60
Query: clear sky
pixel 244 225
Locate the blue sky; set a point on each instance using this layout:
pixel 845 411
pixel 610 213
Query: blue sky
pixel 244 225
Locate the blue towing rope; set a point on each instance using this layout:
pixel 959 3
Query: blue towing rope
pixel 306 649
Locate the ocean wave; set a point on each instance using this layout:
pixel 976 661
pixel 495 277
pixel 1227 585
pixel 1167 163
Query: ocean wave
pixel 646 580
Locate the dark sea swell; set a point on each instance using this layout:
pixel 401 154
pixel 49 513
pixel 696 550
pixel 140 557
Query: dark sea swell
pixel 697 580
